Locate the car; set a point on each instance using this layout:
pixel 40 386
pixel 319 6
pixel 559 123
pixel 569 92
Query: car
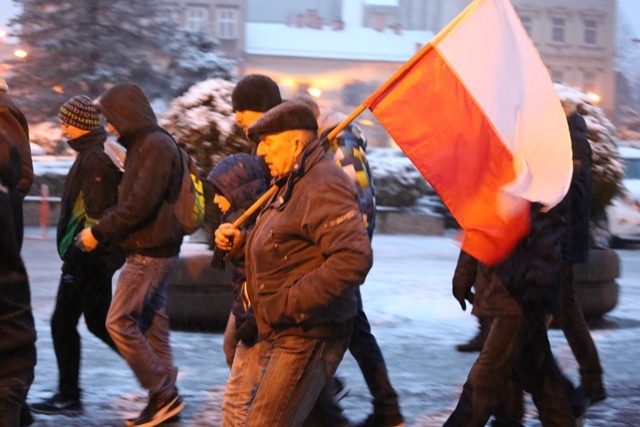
pixel 623 214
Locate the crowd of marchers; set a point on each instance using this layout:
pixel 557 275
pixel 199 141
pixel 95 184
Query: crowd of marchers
pixel 298 219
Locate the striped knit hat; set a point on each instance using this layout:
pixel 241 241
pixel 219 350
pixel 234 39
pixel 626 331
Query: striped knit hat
pixel 80 112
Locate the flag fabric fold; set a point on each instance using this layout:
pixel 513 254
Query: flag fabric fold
pixel 476 112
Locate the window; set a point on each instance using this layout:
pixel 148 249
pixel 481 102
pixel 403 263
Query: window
pixel 227 23
pixel 591 32
pixel 527 23
pixel 197 18
pixel 557 34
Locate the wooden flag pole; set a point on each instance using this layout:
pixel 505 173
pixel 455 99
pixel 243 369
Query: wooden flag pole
pixel 254 207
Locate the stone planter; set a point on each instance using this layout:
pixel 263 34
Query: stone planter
pixel 596 288
pixel 200 296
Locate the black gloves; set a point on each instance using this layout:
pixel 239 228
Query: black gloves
pixel 462 292
pixel 463 279
pixel 248 331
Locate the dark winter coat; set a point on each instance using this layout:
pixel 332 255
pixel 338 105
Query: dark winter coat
pixel 491 297
pixel 14 135
pixel 91 187
pixel 533 271
pixel 16 167
pixel 143 219
pixel 576 204
pixel 240 179
pixel 308 252
pixel 17 331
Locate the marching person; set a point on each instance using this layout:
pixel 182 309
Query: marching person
pixel 17 329
pixel 144 222
pixel 91 187
pixel 305 258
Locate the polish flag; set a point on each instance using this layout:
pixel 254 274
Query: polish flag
pixel 476 112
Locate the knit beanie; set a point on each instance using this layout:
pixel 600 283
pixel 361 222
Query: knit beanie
pixel 80 112
pixel 255 92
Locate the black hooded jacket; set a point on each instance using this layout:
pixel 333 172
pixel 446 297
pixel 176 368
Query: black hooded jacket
pixel 143 220
pixel 240 179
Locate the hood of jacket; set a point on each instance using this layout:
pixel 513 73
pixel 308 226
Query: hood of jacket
pixel 240 179
pixel 127 108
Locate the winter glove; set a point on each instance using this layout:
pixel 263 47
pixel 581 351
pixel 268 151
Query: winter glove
pixel 462 292
pixel 463 279
pixel 248 331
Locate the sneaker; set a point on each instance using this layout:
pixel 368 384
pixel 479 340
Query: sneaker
pixel 593 394
pixel 58 404
pixel 158 411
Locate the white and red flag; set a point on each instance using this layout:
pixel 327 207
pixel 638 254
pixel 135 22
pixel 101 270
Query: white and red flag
pixel 476 112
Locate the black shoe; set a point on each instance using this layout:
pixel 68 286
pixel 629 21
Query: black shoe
pixel 58 404
pixel 474 344
pixel 158 411
pixel 373 421
pixel 593 394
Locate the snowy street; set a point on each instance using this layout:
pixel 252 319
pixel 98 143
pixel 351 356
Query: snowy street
pixel 415 318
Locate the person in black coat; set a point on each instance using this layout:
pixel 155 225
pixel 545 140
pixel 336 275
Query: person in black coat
pixel 91 187
pixel 575 249
pixel 519 294
pixel 17 329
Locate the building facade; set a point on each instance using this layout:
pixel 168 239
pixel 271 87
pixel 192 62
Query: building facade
pixel 345 48
pixel 222 19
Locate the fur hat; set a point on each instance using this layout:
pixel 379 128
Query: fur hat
pixel 255 92
pixel 290 115
pixel 3 85
pixel 80 112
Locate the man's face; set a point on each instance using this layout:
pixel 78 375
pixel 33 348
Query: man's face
pixel 246 118
pixel 279 152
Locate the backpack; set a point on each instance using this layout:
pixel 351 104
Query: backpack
pixel 189 206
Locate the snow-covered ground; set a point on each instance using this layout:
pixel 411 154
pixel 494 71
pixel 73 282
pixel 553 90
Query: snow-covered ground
pixel 417 322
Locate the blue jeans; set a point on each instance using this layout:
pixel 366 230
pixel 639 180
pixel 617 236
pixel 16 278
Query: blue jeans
pixel 294 372
pixel 138 323
pixel 242 384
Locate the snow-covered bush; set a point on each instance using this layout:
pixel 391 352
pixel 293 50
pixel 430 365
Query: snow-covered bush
pixel 202 121
pixel 397 182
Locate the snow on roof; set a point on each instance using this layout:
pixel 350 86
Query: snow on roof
pixel 363 44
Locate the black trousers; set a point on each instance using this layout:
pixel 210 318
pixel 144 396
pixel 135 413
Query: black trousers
pixel 365 350
pixel 576 331
pixel 516 355
pixel 85 289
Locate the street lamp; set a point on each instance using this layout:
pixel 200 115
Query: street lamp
pixel 20 53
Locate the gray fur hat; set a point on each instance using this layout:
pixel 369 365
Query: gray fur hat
pixel 290 115
pixel 255 92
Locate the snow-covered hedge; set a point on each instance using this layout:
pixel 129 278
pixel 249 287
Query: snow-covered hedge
pixel 607 169
pixel 202 120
